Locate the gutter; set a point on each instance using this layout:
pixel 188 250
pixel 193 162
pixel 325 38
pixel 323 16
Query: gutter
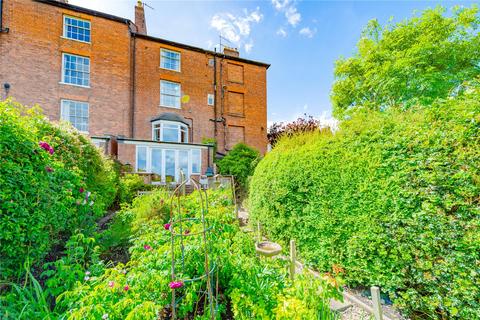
pixel 5 30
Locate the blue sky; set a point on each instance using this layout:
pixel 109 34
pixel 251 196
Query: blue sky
pixel 300 39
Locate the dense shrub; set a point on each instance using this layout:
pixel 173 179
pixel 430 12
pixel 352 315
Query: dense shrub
pixel 239 162
pixel 392 198
pixel 301 125
pixel 129 185
pixel 52 181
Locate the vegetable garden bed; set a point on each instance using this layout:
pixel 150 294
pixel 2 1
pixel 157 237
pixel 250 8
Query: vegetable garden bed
pixel 248 287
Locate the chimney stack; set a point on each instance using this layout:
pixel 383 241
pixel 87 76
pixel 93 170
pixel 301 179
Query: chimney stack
pixel 140 18
pixel 233 52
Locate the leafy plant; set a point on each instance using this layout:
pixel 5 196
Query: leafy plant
pixel 410 63
pixel 140 289
pixel 239 162
pixel 301 125
pixel 392 198
pixel 52 181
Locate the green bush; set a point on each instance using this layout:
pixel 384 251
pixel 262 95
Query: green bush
pixel 392 198
pixel 129 185
pixel 52 181
pixel 239 162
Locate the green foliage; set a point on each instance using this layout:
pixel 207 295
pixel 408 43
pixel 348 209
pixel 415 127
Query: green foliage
pixel 213 142
pixel 81 261
pixel 239 162
pixel 409 63
pixel 392 198
pixel 46 191
pixel 129 185
pixel 139 289
pixel 27 301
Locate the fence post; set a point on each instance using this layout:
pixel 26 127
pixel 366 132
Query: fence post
pixel 293 258
pixel 377 306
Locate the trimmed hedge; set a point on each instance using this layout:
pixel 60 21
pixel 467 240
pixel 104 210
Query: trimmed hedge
pixel 53 180
pixel 392 198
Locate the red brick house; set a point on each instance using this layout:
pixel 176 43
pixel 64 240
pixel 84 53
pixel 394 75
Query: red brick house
pixel 154 101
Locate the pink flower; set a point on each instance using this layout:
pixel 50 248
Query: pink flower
pixel 166 226
pixel 87 273
pixel 126 288
pixel 175 284
pixel 111 284
pixel 48 169
pixel 81 190
pixel 45 146
pixel 147 247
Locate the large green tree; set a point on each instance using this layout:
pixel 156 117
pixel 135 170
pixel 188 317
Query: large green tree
pixel 413 62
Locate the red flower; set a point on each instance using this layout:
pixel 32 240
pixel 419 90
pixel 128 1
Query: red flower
pixel 48 169
pixel 81 190
pixel 45 146
pixel 175 284
pixel 147 247
pixel 166 226
pixel 126 288
pixel 187 231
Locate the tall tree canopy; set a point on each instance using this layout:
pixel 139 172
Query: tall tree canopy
pixel 412 62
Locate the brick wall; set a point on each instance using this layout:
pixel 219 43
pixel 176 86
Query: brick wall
pixel 31 62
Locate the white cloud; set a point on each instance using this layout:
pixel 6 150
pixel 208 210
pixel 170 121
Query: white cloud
pixel 282 33
pixel 289 9
pixel 305 107
pixel 307 32
pixel 237 28
pixel 248 46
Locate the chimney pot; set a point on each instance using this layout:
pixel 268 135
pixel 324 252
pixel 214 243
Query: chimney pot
pixel 140 18
pixel 231 52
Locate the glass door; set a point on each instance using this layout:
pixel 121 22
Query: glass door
pixel 170 166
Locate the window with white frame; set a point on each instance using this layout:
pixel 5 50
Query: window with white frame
pixel 76 29
pixel 169 131
pixel 76 70
pixel 170 60
pixel 170 94
pixel 169 162
pixel 210 99
pixel 75 112
pixel 196 161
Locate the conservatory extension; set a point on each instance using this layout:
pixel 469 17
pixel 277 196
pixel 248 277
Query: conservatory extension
pixel 166 155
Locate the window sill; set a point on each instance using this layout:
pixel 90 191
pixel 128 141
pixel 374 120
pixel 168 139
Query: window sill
pixel 86 42
pixel 178 71
pixel 171 107
pixel 74 85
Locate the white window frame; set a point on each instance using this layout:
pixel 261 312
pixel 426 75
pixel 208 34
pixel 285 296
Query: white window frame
pixel 177 150
pixel 63 115
pixel 162 50
pixel 211 99
pixel 63 70
pixel 179 126
pixel 65 31
pixel 179 96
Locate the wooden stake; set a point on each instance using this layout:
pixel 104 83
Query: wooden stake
pixel 259 235
pixel 377 306
pixel 293 258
